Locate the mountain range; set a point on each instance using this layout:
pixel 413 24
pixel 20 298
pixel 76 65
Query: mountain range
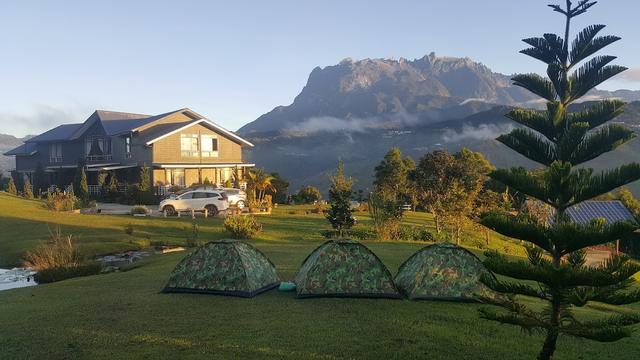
pixel 357 110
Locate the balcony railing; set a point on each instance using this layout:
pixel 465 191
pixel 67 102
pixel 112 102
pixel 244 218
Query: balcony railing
pixel 91 158
pixel 55 159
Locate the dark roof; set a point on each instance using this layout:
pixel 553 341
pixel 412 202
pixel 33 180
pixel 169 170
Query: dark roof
pixel 59 133
pixel 611 211
pixel 24 149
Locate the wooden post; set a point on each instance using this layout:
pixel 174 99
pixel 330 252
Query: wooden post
pixel 193 214
pixel 165 213
pixel 178 213
pixel 206 213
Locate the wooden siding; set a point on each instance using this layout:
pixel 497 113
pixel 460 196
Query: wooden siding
pixel 167 150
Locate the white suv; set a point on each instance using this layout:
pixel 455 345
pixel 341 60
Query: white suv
pixel 236 197
pixel 213 201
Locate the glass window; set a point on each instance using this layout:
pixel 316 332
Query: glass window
pixel 187 196
pixel 213 195
pixel 199 195
pixel 127 145
pixel 209 146
pixel 55 153
pixel 189 145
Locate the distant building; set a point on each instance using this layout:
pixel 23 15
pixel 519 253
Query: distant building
pixel 612 211
pixel 180 147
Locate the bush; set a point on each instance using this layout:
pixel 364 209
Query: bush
pixel 58 252
pixel 135 195
pixel 193 240
pixel 66 272
pixel 414 233
pixel 242 227
pixel 355 234
pixel 59 201
pixel 307 195
pixel 85 203
pixel 140 210
pixel 128 229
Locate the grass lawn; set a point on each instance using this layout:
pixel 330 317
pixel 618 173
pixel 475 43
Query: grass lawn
pixel 123 315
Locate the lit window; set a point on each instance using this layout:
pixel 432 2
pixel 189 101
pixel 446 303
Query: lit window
pixel 209 146
pixel 127 146
pixel 189 145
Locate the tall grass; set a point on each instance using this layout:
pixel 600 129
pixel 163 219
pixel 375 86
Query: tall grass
pixel 58 251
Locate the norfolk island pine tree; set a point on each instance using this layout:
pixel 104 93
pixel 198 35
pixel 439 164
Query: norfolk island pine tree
pixel 560 140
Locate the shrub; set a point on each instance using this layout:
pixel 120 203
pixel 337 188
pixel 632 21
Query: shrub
pixel 11 187
pixel 360 234
pixel 67 272
pixel 386 215
pixel 59 251
pixel 414 233
pixel 27 189
pixel 85 203
pixel 193 240
pixel 307 195
pixel 59 201
pixel 242 227
pixel 128 229
pixel 140 210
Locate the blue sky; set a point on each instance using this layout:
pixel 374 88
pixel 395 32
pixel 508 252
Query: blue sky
pixel 235 60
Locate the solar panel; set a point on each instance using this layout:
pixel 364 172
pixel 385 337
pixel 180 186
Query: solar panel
pixel 611 211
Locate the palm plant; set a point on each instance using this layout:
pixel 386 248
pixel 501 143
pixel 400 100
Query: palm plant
pixel 260 181
pixel 560 140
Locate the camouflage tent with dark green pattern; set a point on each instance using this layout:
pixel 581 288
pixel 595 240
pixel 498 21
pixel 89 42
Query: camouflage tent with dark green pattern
pixel 224 267
pixel 442 272
pixel 344 268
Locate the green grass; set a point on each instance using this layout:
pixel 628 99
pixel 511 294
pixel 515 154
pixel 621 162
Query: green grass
pixel 123 315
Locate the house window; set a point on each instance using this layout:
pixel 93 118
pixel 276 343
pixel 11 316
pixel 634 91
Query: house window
pixel 55 153
pixel 127 147
pixel 189 145
pixel 175 177
pixel 209 146
pixel 98 148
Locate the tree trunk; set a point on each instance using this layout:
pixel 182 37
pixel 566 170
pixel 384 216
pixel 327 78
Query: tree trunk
pixel 437 219
pixel 458 231
pixel 487 235
pixel 549 346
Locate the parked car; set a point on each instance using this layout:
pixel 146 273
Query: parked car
pixel 237 197
pixel 213 201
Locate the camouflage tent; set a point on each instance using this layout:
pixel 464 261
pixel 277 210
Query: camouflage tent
pixel 442 272
pixel 344 268
pixel 224 267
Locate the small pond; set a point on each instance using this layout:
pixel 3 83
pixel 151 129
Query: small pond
pixel 16 278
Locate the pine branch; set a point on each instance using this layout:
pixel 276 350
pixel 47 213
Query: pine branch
pixel 536 84
pixel 597 114
pixel 592 74
pixel 536 120
pixel 571 237
pixel 513 227
pixel 606 181
pixel 602 141
pixel 512 288
pixel 530 145
pixel 607 330
pixel 520 180
pixel 571 139
pixel 541 50
pixel 516 314
pixel 618 297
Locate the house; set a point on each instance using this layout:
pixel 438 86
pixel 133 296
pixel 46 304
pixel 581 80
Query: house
pixel 180 147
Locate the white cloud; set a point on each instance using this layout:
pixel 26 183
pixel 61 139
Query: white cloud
pixel 480 132
pixel 40 118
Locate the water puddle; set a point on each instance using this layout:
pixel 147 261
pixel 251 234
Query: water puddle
pixel 16 278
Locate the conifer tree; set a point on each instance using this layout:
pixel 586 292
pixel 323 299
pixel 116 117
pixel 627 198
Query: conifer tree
pixel 145 179
pixel 80 186
pixel 27 189
pixel 560 140
pixel 340 214
pixel 11 186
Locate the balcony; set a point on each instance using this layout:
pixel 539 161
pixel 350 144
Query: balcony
pixel 103 157
pixel 55 159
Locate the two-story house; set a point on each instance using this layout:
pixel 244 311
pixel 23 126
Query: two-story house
pixel 181 147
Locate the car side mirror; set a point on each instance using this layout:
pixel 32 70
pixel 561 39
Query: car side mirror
pixel 220 198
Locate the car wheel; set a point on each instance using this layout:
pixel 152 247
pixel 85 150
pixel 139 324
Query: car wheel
pixel 212 210
pixel 169 210
pixel 240 204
